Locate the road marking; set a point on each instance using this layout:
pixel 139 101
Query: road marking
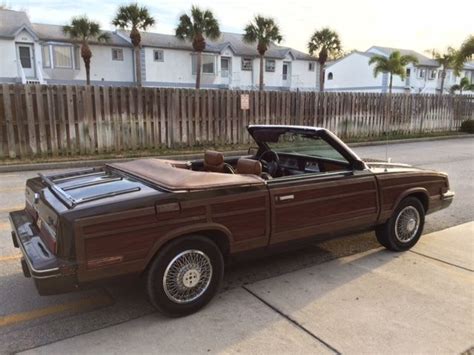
pixel 13 208
pixel 4 226
pixel 9 175
pixel 12 189
pixel 102 300
pixel 10 257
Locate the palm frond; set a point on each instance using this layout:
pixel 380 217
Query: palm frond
pixel 198 23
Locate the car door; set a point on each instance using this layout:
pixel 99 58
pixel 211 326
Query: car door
pixel 322 204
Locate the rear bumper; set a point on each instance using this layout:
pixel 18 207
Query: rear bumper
pixel 37 261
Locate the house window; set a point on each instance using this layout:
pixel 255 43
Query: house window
pixel 421 73
pixel 208 64
pixel 270 65
pixel 117 54
pixel 246 63
pixel 46 57
pixel 432 74
pixel 408 72
pixel 311 66
pixel 77 57
pixel 330 76
pixel 158 55
pixel 62 56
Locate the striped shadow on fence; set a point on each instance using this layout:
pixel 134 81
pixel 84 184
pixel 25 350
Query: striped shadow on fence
pixel 38 120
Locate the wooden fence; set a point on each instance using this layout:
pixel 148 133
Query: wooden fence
pixel 72 120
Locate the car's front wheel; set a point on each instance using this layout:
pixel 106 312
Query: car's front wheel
pixel 403 230
pixel 185 275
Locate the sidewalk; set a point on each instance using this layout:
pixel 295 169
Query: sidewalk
pixel 373 302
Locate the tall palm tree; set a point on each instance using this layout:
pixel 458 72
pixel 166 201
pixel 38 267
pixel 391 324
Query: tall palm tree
pixel 446 61
pixel 83 30
pixel 465 53
pixel 196 28
pixel 463 85
pixel 134 18
pixel 263 31
pixel 324 43
pixel 393 65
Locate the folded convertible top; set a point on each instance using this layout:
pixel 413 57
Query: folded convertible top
pixel 172 175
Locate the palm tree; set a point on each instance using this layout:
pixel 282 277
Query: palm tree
pixel 134 18
pixel 465 53
pixel 83 30
pixel 262 31
pixel 394 65
pixel 446 61
pixel 464 84
pixel 325 43
pixel 195 28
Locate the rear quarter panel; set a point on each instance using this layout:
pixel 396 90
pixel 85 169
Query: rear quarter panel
pixel 125 242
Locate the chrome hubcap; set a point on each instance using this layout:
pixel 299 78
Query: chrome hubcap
pixel 187 276
pixel 407 224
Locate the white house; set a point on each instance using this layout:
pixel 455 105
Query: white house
pixel 353 73
pixel 41 53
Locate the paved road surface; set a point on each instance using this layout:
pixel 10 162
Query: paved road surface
pixel 28 320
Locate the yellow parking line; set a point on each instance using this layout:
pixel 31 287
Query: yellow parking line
pixel 12 208
pixel 4 226
pixel 76 306
pixel 12 189
pixel 9 175
pixel 10 257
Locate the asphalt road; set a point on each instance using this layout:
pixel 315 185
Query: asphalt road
pixel 28 320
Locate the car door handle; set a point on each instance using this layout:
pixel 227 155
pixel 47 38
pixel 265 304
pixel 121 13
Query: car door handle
pixel 285 197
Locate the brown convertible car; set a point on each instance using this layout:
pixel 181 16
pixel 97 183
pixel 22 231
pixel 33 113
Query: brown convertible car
pixel 178 222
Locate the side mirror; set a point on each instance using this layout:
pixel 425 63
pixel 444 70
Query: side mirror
pixel 358 165
pixel 253 151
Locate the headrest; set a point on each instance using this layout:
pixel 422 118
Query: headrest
pixel 212 157
pixel 249 166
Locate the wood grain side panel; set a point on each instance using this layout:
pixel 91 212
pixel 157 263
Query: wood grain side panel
pixel 245 215
pixel 343 201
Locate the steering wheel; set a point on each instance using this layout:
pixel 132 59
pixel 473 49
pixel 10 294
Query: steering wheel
pixel 270 162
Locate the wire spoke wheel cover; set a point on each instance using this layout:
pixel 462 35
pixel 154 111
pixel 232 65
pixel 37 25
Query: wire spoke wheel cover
pixel 407 224
pixel 187 276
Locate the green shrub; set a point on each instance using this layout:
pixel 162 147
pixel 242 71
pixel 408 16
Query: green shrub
pixel 467 126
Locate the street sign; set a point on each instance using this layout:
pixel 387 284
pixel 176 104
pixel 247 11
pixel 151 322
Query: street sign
pixel 244 102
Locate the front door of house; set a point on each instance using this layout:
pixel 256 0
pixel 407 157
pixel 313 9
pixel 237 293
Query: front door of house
pixel 26 57
pixel 286 74
pixel 225 70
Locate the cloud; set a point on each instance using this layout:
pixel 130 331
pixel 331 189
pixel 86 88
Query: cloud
pixel 410 24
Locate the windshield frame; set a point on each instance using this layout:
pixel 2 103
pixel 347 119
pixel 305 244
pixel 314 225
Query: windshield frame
pixel 322 133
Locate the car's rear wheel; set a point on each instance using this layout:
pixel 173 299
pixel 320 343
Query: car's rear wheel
pixel 185 275
pixel 403 230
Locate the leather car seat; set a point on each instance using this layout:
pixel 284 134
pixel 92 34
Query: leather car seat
pixel 249 166
pixel 214 161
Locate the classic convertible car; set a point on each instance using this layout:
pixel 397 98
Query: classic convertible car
pixel 178 222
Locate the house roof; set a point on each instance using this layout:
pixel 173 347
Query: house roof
pixel 469 65
pixel 55 33
pixel 227 39
pixel 365 54
pixel 11 22
pixel 422 59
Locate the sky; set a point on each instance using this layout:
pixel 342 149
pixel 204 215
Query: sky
pixel 409 24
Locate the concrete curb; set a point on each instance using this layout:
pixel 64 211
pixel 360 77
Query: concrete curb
pixel 99 162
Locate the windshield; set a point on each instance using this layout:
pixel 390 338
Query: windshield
pixel 305 145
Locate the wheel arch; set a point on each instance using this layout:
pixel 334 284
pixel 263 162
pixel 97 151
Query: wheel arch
pixel 418 192
pixel 218 233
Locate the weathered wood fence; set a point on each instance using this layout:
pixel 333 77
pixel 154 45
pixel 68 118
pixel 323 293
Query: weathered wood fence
pixel 72 120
